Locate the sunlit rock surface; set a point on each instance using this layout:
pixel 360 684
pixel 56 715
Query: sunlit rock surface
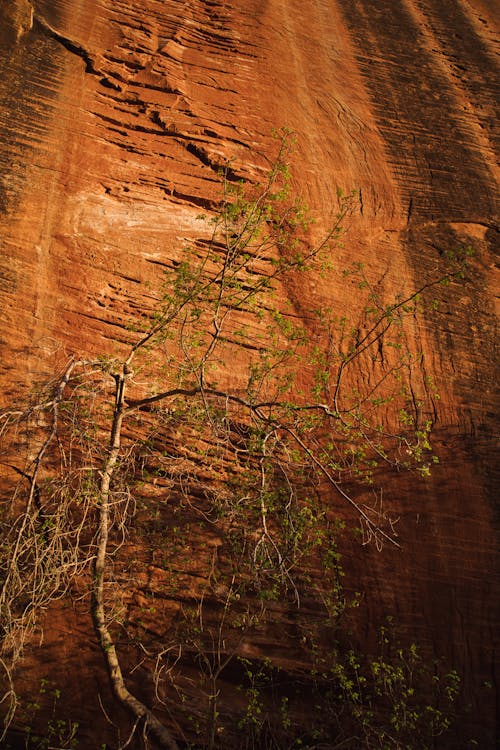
pixel 115 118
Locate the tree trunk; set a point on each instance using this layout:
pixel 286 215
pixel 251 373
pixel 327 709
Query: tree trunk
pixel 131 703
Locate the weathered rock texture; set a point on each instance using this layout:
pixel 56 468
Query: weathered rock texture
pixel 115 117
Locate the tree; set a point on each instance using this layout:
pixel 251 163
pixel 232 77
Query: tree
pixel 248 451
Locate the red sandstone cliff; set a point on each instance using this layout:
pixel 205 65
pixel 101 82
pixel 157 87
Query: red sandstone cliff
pixel 115 118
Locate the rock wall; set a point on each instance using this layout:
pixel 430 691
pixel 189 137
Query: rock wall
pixel 115 118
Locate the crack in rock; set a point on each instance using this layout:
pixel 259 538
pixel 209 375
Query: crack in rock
pixel 67 43
pixel 76 49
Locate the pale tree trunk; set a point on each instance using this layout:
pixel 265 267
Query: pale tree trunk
pixel 131 703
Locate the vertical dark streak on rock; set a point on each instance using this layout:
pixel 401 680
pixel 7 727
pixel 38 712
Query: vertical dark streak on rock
pixel 29 81
pixel 410 98
pixel 436 107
